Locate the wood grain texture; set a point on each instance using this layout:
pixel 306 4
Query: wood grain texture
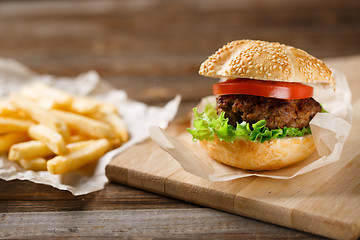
pixel 153 49
pixel 25 196
pixel 324 201
pixel 138 224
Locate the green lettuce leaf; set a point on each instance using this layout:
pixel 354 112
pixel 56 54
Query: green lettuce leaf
pixel 208 124
pixel 323 109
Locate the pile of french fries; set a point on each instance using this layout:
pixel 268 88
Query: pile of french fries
pixel 43 128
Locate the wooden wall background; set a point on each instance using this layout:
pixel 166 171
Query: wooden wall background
pixel 153 48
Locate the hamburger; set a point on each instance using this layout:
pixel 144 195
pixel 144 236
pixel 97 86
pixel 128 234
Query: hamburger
pixel 263 106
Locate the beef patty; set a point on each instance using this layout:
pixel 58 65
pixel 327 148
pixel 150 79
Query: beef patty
pixel 277 112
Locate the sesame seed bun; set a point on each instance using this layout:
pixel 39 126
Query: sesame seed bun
pixel 266 61
pixel 269 155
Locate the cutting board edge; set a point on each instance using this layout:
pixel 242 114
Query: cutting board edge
pixel 351 232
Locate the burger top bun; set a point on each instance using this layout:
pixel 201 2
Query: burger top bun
pixel 266 61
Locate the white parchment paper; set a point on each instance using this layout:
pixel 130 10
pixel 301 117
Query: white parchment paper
pixel 136 115
pixel 330 131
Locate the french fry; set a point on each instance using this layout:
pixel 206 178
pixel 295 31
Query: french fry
pixel 60 97
pixel 29 150
pixel 84 125
pixel 40 121
pixel 14 125
pixel 7 109
pixel 36 164
pixel 84 105
pixel 77 145
pixel 40 115
pixel 46 96
pixel 77 138
pixel 117 124
pixel 52 139
pixel 9 139
pixel 108 108
pixel 28 92
pixel 79 158
pixel 108 113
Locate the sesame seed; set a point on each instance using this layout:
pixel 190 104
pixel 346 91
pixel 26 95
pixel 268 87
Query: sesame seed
pixel 264 58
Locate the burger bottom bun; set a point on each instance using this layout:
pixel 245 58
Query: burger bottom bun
pixel 269 155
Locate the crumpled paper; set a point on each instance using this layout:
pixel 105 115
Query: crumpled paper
pixel 136 115
pixel 330 131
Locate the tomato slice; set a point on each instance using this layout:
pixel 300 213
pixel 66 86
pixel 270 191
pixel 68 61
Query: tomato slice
pixel 272 89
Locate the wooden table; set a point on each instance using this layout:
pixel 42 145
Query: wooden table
pixel 152 49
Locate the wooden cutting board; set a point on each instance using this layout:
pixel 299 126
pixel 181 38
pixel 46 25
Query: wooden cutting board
pixel 324 202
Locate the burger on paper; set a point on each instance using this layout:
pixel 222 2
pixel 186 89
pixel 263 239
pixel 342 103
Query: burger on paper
pixel 263 106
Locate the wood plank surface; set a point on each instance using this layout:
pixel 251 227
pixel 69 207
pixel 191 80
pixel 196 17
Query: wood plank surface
pixel 25 196
pixel 153 49
pixel 139 224
pixel 118 211
pixel 324 201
